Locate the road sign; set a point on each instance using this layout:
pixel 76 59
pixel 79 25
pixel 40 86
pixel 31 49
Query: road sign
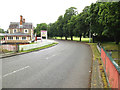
pixel 43 34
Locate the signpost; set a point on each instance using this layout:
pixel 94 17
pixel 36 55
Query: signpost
pixel 43 34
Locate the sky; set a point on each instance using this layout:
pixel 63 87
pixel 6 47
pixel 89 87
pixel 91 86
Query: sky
pixel 37 11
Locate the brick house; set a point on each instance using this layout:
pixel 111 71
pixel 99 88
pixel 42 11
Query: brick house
pixel 19 32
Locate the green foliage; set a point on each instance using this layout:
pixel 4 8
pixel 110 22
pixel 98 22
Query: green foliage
pixel 2 30
pixel 60 26
pixel 42 26
pixel 68 31
pixel 102 19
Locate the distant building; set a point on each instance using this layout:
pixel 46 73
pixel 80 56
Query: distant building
pixel 19 32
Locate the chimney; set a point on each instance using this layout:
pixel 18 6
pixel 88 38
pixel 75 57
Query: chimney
pixel 24 20
pixel 21 19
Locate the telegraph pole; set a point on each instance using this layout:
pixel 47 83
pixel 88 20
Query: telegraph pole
pixel 90 33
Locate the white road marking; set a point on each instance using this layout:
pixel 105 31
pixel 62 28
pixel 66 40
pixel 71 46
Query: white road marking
pixel 16 71
pixel 51 56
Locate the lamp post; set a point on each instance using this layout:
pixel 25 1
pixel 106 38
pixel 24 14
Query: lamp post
pixel 90 33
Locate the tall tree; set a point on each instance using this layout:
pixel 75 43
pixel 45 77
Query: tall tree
pixel 71 26
pixel 41 26
pixel 67 16
pixel 60 26
pixel 82 25
pixel 110 18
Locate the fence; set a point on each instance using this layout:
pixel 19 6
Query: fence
pixel 8 47
pixel 111 68
pixel 31 46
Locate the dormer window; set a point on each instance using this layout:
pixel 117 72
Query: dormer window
pixel 26 31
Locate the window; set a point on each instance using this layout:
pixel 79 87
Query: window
pixel 10 38
pixel 25 31
pixel 17 38
pixel 3 38
pixel 14 31
pixel 23 38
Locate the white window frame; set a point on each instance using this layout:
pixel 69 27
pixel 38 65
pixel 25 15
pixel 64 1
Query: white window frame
pixel 17 37
pixel 9 31
pixel 25 30
pixel 14 30
pixel 11 38
pixel 24 39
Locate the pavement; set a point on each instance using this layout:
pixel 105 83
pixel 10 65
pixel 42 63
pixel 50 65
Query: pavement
pixel 96 80
pixel 66 65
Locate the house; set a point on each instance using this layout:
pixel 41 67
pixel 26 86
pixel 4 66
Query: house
pixel 19 32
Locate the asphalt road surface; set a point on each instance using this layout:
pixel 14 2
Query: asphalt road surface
pixel 65 65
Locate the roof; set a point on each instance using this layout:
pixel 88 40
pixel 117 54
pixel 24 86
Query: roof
pixel 14 34
pixel 26 25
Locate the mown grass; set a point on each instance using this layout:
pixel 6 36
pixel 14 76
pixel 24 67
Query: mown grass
pixel 75 39
pixel 112 46
pixel 43 47
pixel 95 50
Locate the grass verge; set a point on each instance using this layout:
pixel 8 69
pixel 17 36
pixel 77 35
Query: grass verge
pixel 43 47
pixel 96 56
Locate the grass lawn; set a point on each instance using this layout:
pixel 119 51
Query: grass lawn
pixel 75 39
pixel 108 46
pixel 95 50
pixel 112 46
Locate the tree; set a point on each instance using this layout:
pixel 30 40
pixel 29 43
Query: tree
pixel 60 26
pixel 52 30
pixel 42 26
pixel 110 18
pixel 2 30
pixel 67 16
pixel 82 25
pixel 71 26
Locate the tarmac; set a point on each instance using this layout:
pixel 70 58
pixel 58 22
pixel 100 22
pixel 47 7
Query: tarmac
pixel 96 80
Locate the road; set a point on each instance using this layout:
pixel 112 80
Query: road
pixel 65 65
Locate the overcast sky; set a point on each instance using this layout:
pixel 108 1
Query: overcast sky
pixel 37 11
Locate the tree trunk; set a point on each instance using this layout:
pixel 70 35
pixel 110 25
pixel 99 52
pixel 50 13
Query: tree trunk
pixel 93 39
pixel 80 37
pixel 117 41
pixel 61 38
pixel 71 37
pixel 65 37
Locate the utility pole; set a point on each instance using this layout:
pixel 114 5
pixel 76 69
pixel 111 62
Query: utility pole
pixel 90 33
